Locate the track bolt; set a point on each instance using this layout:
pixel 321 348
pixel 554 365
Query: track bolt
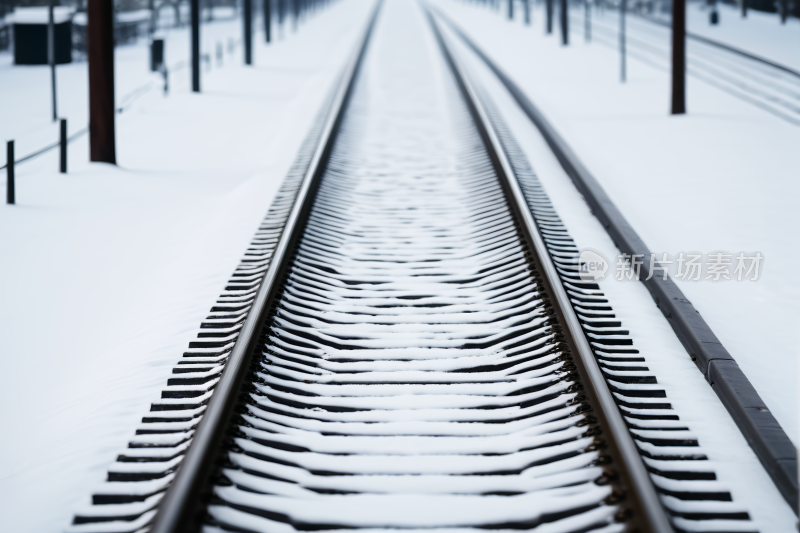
pixel 615 497
pixel 603 460
pixel 624 515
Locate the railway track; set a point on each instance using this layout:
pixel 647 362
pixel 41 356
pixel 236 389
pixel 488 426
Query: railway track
pixel 407 344
pixel 771 87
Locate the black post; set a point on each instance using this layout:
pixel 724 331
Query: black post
pixel 165 75
pixel 744 8
pixel 268 19
pixel 51 54
pixel 156 54
pixel 248 32
pixel 549 8
pixel 713 15
pixel 195 15
pixel 510 9
pixel 783 8
pixel 564 22
pixel 526 4
pixel 10 172
pixel 63 145
pixel 678 57
pixel 100 30
pixel 623 74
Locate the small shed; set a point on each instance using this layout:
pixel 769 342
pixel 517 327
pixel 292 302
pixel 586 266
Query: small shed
pixel 30 35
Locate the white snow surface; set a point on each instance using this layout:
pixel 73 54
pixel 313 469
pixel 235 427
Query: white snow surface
pixel 760 34
pixel 736 465
pixel 39 15
pixel 107 271
pixel 722 177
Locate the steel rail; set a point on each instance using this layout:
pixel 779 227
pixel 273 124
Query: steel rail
pixel 636 480
pixel 182 508
pixel 759 427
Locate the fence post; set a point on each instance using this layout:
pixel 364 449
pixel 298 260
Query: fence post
pixel 63 144
pixel 10 172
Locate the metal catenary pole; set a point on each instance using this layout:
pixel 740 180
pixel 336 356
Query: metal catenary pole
pixel 100 32
pixel 268 20
pixel 51 54
pixel 195 17
pixel 587 20
pixel 549 8
pixel 623 74
pixel 678 57
pixel 248 32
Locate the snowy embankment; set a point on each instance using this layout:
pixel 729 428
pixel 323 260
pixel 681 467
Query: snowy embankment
pixel 106 272
pixel 723 177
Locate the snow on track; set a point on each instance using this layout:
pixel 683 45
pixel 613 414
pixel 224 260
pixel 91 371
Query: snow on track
pixel 458 424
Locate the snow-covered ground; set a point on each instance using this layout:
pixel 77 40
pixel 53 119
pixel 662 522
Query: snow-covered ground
pixel 723 177
pixel 107 271
pixel 760 33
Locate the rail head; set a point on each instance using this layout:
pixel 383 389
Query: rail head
pixel 635 478
pixel 181 509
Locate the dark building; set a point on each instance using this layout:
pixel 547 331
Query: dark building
pixel 30 35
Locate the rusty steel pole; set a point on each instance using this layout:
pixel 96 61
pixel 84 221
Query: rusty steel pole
pixel 678 57
pixel 100 35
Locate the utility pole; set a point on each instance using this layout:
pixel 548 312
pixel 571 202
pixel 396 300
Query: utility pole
pixel 248 32
pixel 526 4
pixel 678 57
pixel 549 7
pixel 587 20
pixel 195 18
pixel 51 54
pixel 623 74
pixel 564 23
pixel 100 34
pixel 268 19
pixel 744 8
pixel 510 9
